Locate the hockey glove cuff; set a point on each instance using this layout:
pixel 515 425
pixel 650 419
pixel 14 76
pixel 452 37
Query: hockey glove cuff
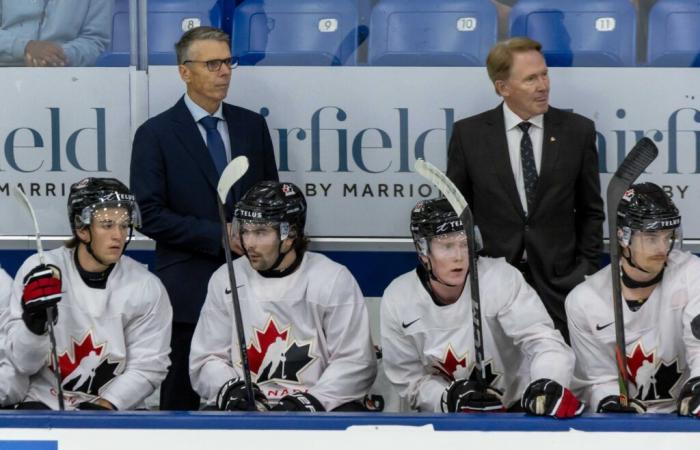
pixel 471 396
pixel 233 397
pixel 42 291
pixel 299 401
pixel 689 398
pixel 545 397
pixel 611 404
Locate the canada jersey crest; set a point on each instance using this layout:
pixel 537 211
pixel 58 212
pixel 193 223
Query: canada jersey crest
pixel 86 367
pixel 653 377
pixel 274 355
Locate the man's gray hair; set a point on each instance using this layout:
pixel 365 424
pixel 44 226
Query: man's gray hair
pixel 204 33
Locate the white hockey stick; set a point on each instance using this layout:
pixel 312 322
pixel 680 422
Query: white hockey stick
pixel 639 158
pixel 24 201
pixel 459 204
pixel 233 172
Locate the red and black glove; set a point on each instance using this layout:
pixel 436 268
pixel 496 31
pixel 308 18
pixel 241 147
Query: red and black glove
pixel 299 401
pixel 42 291
pixel 471 396
pixel 233 397
pixel 689 398
pixel 611 404
pixel 545 397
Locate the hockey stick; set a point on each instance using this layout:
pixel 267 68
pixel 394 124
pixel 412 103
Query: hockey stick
pixel 233 172
pixel 639 158
pixel 459 204
pixel 24 201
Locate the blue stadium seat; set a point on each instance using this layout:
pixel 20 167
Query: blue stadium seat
pixel 167 20
pixel 674 34
pixel 296 32
pixel 582 33
pixel 432 33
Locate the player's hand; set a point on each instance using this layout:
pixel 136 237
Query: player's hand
pixel 234 241
pixel 43 54
pixel 299 401
pixel 233 397
pixel 471 396
pixel 689 398
pixel 42 291
pixel 99 404
pixel 611 404
pixel 545 397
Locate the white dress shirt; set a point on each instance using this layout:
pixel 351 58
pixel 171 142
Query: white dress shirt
pixel 198 113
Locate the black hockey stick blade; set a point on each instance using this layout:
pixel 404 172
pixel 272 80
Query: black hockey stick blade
pixel 459 204
pixel 233 172
pixel 639 158
pixel 24 201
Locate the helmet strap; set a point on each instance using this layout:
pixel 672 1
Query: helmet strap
pixel 628 258
pixel 634 284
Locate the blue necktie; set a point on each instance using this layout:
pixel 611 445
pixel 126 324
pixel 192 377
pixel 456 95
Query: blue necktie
pixel 527 158
pixel 214 142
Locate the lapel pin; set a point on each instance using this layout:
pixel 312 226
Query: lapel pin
pixel 552 139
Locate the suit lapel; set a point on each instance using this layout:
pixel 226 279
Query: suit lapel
pixel 496 140
pixel 187 131
pixel 550 152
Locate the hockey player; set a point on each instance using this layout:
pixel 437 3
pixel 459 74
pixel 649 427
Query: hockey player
pixel 661 289
pixel 112 317
pixel 12 385
pixel 428 339
pixel 306 324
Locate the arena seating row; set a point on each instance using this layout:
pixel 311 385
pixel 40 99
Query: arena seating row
pixel 418 32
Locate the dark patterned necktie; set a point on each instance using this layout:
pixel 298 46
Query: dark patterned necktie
pixel 527 158
pixel 214 142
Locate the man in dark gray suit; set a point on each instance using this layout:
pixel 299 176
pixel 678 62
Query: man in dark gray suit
pixel 176 162
pixel 530 174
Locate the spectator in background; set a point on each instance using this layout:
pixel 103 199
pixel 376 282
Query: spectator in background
pixel 53 33
pixel 176 162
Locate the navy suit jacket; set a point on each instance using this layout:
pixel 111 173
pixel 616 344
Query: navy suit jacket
pixel 174 181
pixel 563 234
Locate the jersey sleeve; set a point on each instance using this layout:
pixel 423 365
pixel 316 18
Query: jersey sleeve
pixel 147 347
pixel 352 365
pixel 210 352
pixel 402 363
pixel 13 385
pixel 525 320
pixel 691 318
pixel 27 351
pixel 595 372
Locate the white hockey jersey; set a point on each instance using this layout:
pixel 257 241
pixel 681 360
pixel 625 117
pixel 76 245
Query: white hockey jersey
pixel 426 346
pixel 307 331
pixel 112 343
pixel 12 385
pixel 662 337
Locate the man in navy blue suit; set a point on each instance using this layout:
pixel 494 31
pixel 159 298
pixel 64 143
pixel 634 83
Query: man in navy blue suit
pixel 176 162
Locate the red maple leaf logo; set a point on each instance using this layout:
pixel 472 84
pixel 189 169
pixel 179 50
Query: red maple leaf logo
pixel 450 362
pixel 81 349
pixel 636 359
pixel 262 341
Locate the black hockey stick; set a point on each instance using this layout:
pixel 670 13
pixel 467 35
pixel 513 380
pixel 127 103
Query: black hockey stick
pixel 232 173
pixel 639 158
pixel 459 204
pixel 24 201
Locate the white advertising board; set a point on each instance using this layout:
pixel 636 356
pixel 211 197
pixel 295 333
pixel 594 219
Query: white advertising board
pixel 347 135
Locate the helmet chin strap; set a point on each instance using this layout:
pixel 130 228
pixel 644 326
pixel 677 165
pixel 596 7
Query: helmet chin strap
pixel 88 246
pixel 272 272
pixel 630 262
pixel 434 277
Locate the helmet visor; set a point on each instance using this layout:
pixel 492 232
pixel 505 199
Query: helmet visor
pixel 132 214
pixel 450 245
pixel 659 242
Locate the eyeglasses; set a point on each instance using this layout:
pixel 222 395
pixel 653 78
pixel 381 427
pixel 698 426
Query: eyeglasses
pixel 213 65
